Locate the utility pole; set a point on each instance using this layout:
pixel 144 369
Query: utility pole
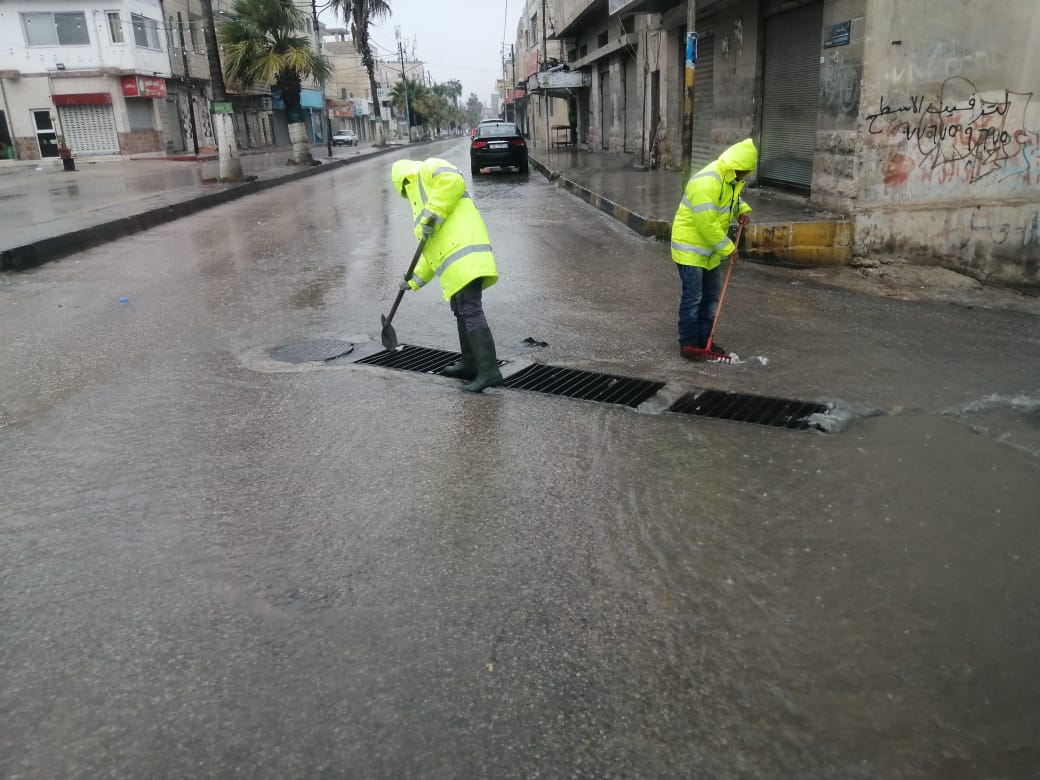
pixel 324 101
pixel 691 68
pixel 545 65
pixel 187 80
pixel 223 123
pixel 512 87
pixel 404 81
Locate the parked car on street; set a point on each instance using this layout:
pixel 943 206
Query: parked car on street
pixel 345 138
pixel 498 145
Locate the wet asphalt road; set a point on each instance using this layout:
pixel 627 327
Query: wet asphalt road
pixel 216 564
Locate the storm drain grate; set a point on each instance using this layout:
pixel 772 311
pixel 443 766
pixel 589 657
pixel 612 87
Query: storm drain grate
pixel 409 358
pixel 621 390
pixel 586 385
pixel 757 409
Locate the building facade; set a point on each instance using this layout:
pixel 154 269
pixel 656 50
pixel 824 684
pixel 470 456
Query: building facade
pixel 544 111
pixel 916 120
pixel 95 79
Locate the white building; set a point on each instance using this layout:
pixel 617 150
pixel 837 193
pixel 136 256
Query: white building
pixel 96 77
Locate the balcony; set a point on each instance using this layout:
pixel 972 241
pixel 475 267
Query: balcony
pixel 627 7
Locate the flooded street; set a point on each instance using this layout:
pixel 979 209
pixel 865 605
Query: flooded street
pixel 217 563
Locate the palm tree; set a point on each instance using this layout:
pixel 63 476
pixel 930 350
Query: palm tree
pixel 409 94
pixel 262 44
pixel 454 91
pixel 361 14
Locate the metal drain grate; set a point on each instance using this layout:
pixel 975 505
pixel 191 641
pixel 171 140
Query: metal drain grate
pixel 409 358
pixel 757 409
pixel 586 385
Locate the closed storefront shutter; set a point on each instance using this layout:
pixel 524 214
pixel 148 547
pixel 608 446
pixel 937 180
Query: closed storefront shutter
pixel 173 130
pixel 139 114
pixel 89 129
pixel 702 150
pixel 790 96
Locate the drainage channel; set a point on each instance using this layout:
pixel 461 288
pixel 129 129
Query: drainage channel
pixel 757 409
pixel 620 390
pixel 586 385
pixel 409 358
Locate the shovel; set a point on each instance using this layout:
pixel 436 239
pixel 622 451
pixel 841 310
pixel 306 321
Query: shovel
pixel 388 336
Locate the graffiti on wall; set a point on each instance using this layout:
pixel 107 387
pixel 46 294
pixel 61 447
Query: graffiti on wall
pixel 943 60
pixel 1025 233
pixel 957 135
pixel 839 85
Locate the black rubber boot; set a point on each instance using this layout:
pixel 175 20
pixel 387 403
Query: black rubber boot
pixel 488 375
pixel 465 368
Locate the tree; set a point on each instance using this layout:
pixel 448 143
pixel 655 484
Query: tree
pixel 451 89
pixel 262 44
pixel 223 124
pixel 361 14
pixel 474 110
pixel 415 92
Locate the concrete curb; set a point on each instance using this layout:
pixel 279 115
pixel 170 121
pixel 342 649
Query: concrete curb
pixel 45 250
pixel 826 242
pixel 645 226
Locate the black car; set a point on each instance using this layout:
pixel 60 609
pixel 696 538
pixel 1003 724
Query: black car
pixel 497 145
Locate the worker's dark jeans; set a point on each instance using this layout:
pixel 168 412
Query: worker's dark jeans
pixel 468 307
pixel 698 303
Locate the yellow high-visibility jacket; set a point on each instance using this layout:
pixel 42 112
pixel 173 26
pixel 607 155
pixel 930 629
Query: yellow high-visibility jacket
pixel 710 202
pixel 459 251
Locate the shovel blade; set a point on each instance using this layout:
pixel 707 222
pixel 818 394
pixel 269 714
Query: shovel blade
pixel 388 336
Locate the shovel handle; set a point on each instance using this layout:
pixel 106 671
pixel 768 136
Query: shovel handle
pixel 407 275
pixel 725 285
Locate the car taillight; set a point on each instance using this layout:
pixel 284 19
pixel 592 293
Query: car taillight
pixel 518 142
pixel 479 144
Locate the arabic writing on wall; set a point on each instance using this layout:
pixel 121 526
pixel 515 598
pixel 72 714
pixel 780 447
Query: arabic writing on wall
pixel 957 136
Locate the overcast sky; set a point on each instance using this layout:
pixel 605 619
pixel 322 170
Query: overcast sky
pixel 456 39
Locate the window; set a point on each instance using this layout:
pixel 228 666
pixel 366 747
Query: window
pixel 602 39
pixel 194 22
pixel 146 32
pixel 55 29
pixel 115 26
pixel 534 29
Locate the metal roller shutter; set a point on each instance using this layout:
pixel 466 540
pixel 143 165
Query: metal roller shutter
pixel 790 96
pixel 702 150
pixel 173 130
pixel 89 129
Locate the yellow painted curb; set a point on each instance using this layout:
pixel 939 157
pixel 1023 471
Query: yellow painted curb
pixel 803 243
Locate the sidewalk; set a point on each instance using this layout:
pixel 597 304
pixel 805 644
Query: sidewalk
pixel 784 227
pixel 47 213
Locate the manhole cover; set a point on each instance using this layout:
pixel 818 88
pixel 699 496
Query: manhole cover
pixel 317 351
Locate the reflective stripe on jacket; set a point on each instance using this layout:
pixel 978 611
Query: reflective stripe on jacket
pixel 459 251
pixel 710 202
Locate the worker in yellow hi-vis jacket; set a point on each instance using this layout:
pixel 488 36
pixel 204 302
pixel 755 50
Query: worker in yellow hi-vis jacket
pixel 701 241
pixel 458 252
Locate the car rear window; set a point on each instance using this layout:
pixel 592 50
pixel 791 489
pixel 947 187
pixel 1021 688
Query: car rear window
pixel 498 128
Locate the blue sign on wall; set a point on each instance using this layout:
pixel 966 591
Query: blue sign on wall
pixel 691 49
pixel 838 35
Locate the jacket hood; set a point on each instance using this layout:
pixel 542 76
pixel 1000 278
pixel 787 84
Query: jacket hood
pixel 742 156
pixel 401 170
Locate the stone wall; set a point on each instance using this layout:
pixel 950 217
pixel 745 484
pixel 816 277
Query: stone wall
pixel 950 137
